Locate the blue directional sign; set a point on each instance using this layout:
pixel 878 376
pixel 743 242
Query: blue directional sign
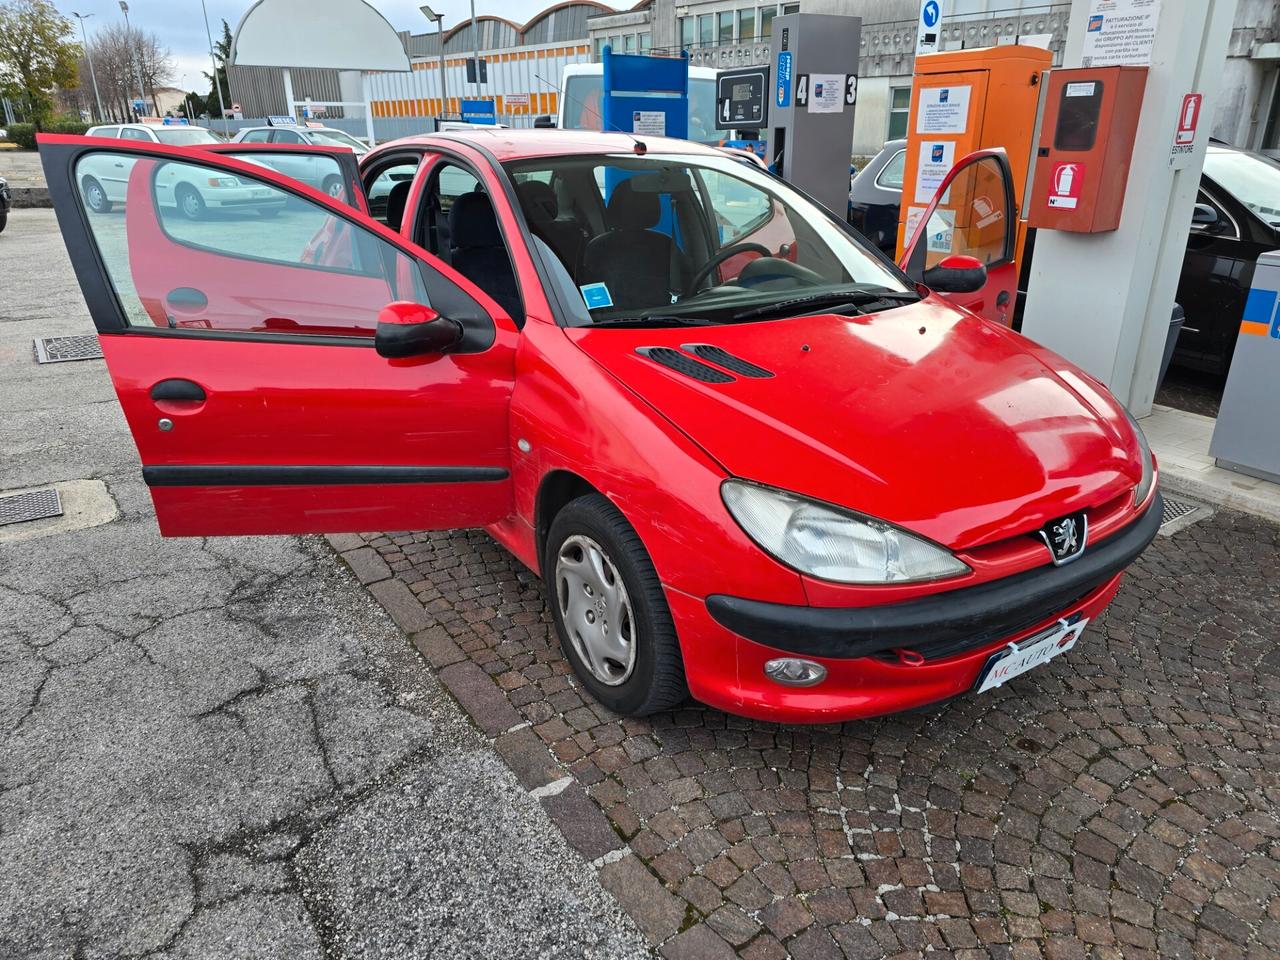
pixel 784 79
pixel 930 13
pixel 479 111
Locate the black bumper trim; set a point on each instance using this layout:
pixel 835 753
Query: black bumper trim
pixel 990 610
pixel 262 475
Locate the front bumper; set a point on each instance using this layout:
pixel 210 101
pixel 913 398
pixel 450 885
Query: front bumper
pixel 955 620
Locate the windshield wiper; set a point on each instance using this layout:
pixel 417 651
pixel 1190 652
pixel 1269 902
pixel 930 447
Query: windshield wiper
pixel 657 320
pixel 851 298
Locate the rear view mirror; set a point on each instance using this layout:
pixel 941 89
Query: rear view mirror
pixel 1204 217
pixel 956 274
pixel 410 329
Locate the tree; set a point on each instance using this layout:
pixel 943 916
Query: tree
pixel 124 58
pixel 221 53
pixel 38 53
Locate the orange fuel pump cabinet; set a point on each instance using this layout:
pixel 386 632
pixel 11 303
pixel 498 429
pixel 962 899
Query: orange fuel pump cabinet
pixel 969 100
pixel 1086 142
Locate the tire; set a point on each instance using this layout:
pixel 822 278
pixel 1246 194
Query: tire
pixel 4 220
pixel 332 186
pixel 654 678
pixel 95 198
pixel 190 204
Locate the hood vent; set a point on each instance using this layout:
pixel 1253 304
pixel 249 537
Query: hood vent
pixel 683 363
pixel 723 358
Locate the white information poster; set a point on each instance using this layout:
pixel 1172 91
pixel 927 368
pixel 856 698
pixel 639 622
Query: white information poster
pixel 936 158
pixel 1120 33
pixel 914 215
pixel 943 109
pixel 652 122
pixel 942 229
pixel 826 92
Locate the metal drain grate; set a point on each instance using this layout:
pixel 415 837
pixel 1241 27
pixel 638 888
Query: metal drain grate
pixel 32 505
pixel 1180 514
pixel 62 349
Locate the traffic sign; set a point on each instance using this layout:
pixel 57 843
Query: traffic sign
pixel 929 28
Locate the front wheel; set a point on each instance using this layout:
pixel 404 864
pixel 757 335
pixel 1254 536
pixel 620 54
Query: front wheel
pixel 332 185
pixel 4 220
pixel 609 610
pixel 190 202
pixel 95 198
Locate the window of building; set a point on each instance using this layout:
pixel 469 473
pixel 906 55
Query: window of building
pixel 766 21
pixel 746 25
pixel 615 44
pixel 899 110
pixel 629 43
pixel 706 30
pixel 724 33
pixel 686 32
pixel 646 41
pixel 791 8
pixel 599 47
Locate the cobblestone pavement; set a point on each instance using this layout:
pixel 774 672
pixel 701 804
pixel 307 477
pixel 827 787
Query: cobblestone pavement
pixel 1119 802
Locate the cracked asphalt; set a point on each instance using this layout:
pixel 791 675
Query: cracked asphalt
pixel 226 748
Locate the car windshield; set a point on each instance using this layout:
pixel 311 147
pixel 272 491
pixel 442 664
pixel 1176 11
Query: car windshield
pixel 336 138
pixel 666 238
pixel 583 110
pixel 1251 179
pixel 184 136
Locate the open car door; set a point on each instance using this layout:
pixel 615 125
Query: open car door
pixel 241 343
pixel 972 214
pixel 331 170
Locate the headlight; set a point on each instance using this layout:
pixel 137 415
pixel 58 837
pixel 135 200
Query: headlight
pixel 1148 468
pixel 223 182
pixel 831 543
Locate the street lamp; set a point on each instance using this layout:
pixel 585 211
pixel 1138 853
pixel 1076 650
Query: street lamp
pixel 475 46
pixel 82 17
pixel 137 69
pixel 444 92
pixel 217 83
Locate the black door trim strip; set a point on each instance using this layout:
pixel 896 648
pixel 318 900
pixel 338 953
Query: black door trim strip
pixel 266 475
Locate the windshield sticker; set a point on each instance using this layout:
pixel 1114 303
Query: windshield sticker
pixel 596 296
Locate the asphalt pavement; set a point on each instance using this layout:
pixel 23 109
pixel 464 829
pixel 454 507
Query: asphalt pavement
pixel 225 747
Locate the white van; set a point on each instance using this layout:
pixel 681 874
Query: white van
pixel 583 86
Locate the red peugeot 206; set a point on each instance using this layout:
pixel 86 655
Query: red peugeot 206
pixel 752 460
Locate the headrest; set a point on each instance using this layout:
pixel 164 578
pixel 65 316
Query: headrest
pixel 395 203
pixel 472 222
pixel 539 201
pixel 629 210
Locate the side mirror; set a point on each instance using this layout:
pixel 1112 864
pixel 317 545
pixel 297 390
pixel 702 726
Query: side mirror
pixel 956 273
pixel 1204 217
pixel 409 330
pixel 544 122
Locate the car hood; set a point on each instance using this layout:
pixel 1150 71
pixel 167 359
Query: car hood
pixel 924 416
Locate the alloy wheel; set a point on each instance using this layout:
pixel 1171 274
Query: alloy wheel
pixel 596 610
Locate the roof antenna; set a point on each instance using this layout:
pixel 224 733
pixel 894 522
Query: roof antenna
pixel 640 148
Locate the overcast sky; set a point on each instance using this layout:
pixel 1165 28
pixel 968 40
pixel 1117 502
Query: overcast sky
pixel 180 25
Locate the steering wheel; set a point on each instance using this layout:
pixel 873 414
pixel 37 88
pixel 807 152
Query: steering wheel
pixel 726 254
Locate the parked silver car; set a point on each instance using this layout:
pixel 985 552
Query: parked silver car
pixel 314 171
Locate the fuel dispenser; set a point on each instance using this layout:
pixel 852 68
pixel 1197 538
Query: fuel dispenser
pixel 810 116
pixel 1087 130
pixel 967 100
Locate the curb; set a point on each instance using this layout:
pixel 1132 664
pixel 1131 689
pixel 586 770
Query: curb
pixel 25 198
pixel 659 914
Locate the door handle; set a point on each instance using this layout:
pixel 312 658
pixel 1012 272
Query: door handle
pixel 178 390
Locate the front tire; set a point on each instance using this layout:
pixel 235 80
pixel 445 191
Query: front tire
pixel 332 186
pixel 4 220
pixel 191 203
pixel 609 611
pixel 95 198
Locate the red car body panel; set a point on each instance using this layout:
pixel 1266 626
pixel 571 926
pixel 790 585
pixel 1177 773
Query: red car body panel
pixel 924 416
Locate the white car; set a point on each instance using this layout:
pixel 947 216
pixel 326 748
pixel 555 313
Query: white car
pixel 104 178
pixel 318 172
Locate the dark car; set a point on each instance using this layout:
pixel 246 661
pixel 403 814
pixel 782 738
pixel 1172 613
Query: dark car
pixel 875 194
pixel 1237 217
pixel 5 202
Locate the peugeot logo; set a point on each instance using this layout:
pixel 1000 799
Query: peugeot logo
pixel 1066 537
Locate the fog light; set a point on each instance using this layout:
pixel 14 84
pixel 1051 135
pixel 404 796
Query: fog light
pixel 794 672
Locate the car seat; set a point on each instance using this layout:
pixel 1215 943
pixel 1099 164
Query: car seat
pixel 478 253
pixel 565 237
pixel 641 267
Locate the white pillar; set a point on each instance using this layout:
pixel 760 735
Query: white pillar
pixel 1103 300
pixel 368 110
pixel 288 92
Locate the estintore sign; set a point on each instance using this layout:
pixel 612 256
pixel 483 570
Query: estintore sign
pixel 1187 119
pixel 1065 181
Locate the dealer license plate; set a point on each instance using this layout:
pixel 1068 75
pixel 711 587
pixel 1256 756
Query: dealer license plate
pixel 1017 659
